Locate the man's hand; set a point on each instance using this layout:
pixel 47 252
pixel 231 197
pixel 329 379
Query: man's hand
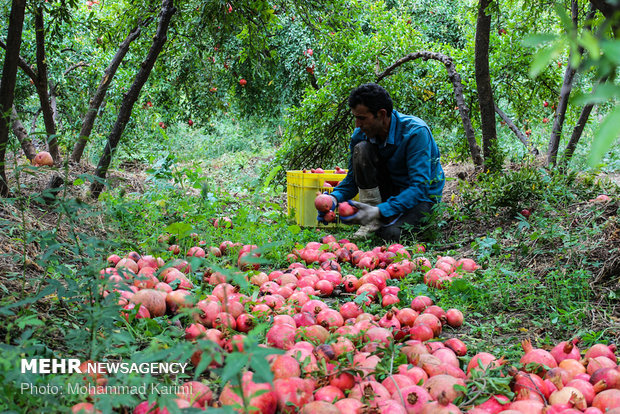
pixel 365 214
pixel 321 216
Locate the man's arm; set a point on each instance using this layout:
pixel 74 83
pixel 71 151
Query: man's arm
pixel 347 189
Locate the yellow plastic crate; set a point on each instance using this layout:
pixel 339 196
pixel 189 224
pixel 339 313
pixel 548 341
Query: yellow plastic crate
pixel 301 190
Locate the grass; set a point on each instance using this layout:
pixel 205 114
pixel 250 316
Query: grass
pixel 544 277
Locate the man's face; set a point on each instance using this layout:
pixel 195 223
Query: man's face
pixel 371 125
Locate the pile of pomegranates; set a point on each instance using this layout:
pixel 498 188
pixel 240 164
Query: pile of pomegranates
pixel 339 358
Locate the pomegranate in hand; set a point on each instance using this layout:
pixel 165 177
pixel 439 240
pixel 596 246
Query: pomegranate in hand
pixel 323 203
pixel 345 209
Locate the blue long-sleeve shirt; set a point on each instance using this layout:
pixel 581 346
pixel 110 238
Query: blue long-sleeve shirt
pixel 413 162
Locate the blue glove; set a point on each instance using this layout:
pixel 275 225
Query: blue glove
pixel 321 216
pixel 365 214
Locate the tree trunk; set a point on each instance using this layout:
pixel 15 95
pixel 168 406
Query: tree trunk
pixel 490 148
pixel 93 108
pixel 579 127
pixel 41 85
pixel 560 113
pixel 533 150
pixel 609 9
pixel 7 83
pixel 22 136
pixel 577 131
pixel 455 78
pixel 167 10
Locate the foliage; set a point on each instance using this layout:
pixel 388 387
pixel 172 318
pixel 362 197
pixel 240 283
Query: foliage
pixel 594 53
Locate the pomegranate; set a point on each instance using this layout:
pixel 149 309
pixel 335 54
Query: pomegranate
pixel 569 395
pixel 406 316
pixel 526 406
pixel 457 346
pixel 260 397
pixel 197 393
pixel 292 393
pixel 350 310
pixel 609 376
pixel 349 406
pixel 345 209
pixel 481 361
pixel 394 383
pixel 431 321
pixel 343 380
pixel 530 382
pixel 285 366
pixel 421 332
pixel 412 397
pixel 281 336
pixel 598 363
pixel 417 374
pixel 587 390
pixel 419 303
pixel 539 358
pixel 602 350
pixel 443 384
pixel 454 318
pixel 441 406
pixel 319 407
pixel 314 333
pixel 495 404
pixel 328 393
pixel 43 158
pixel 466 265
pixel 370 391
pixel 607 400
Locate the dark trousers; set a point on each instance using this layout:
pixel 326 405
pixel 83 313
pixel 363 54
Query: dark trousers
pixel 370 172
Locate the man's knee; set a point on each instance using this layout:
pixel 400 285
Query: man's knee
pixel 362 153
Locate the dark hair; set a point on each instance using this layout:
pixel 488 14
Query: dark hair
pixel 373 96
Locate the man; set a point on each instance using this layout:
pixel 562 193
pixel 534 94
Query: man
pixel 394 166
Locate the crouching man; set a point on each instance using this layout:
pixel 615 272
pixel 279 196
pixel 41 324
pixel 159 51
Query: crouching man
pixel 394 166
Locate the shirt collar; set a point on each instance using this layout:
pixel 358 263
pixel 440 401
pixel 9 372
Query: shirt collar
pixel 391 135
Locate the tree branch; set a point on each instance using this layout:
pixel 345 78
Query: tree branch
pixel 95 103
pixel 21 62
pixel 41 84
pixel 167 10
pixel 455 78
pixel 533 150
pixel 22 135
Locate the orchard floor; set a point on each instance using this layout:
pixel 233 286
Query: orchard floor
pixel 487 332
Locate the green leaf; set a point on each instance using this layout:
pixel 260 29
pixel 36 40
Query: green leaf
pixel 294 229
pixel 234 364
pixel 566 20
pixel 262 371
pixel 603 93
pixel 179 229
pixel 606 135
pixel 611 50
pixel 538 39
pixel 30 320
pixel 590 43
pixel 543 57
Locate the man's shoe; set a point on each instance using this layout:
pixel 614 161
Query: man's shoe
pixel 366 230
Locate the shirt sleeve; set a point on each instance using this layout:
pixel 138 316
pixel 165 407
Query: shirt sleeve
pixel 419 164
pixel 347 189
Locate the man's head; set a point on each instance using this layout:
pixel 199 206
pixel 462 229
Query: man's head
pixel 373 97
pixel 371 106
